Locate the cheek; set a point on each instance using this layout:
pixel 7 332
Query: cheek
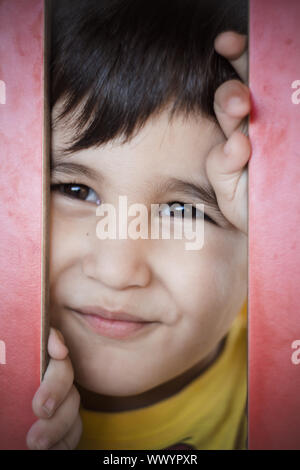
pixel 66 243
pixel 210 280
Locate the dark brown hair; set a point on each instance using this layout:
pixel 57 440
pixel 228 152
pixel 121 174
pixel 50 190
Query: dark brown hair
pixel 121 61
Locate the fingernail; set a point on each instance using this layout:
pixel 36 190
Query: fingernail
pixel 235 102
pixel 49 406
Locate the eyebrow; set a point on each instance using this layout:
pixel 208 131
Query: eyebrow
pixel 76 169
pixel 204 192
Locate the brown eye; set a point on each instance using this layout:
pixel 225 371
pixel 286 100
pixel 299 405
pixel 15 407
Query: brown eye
pixel 188 211
pixel 76 191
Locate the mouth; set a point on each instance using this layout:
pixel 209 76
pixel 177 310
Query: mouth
pixel 117 325
pixel 106 314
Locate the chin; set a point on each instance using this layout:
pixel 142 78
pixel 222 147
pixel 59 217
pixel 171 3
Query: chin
pixel 115 387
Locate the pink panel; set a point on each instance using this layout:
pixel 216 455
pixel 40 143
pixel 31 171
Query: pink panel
pixel 21 142
pixel 274 225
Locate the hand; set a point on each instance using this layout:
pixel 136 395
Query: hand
pixel 61 427
pixel 227 163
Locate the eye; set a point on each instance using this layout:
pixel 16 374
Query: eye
pixel 188 211
pixel 76 191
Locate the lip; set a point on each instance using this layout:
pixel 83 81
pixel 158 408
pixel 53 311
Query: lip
pixel 103 313
pixel 112 328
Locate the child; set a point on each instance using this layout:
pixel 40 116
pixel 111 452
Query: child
pixel 143 106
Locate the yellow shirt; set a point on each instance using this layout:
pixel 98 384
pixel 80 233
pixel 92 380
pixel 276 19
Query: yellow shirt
pixel 208 413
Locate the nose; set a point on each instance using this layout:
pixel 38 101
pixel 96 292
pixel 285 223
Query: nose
pixel 118 264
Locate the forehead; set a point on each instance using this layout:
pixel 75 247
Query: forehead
pixel 175 146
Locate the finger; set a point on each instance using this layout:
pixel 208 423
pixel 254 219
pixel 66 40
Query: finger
pixel 57 348
pixel 45 433
pixel 232 104
pixel 233 46
pixel 230 157
pixel 72 438
pixel 228 175
pixel 57 382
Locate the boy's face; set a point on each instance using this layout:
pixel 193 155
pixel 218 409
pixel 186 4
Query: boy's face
pixel 191 297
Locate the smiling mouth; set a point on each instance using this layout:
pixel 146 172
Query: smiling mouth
pixel 110 315
pixel 111 328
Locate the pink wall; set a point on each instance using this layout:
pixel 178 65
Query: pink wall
pixel 274 226
pixel 21 126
